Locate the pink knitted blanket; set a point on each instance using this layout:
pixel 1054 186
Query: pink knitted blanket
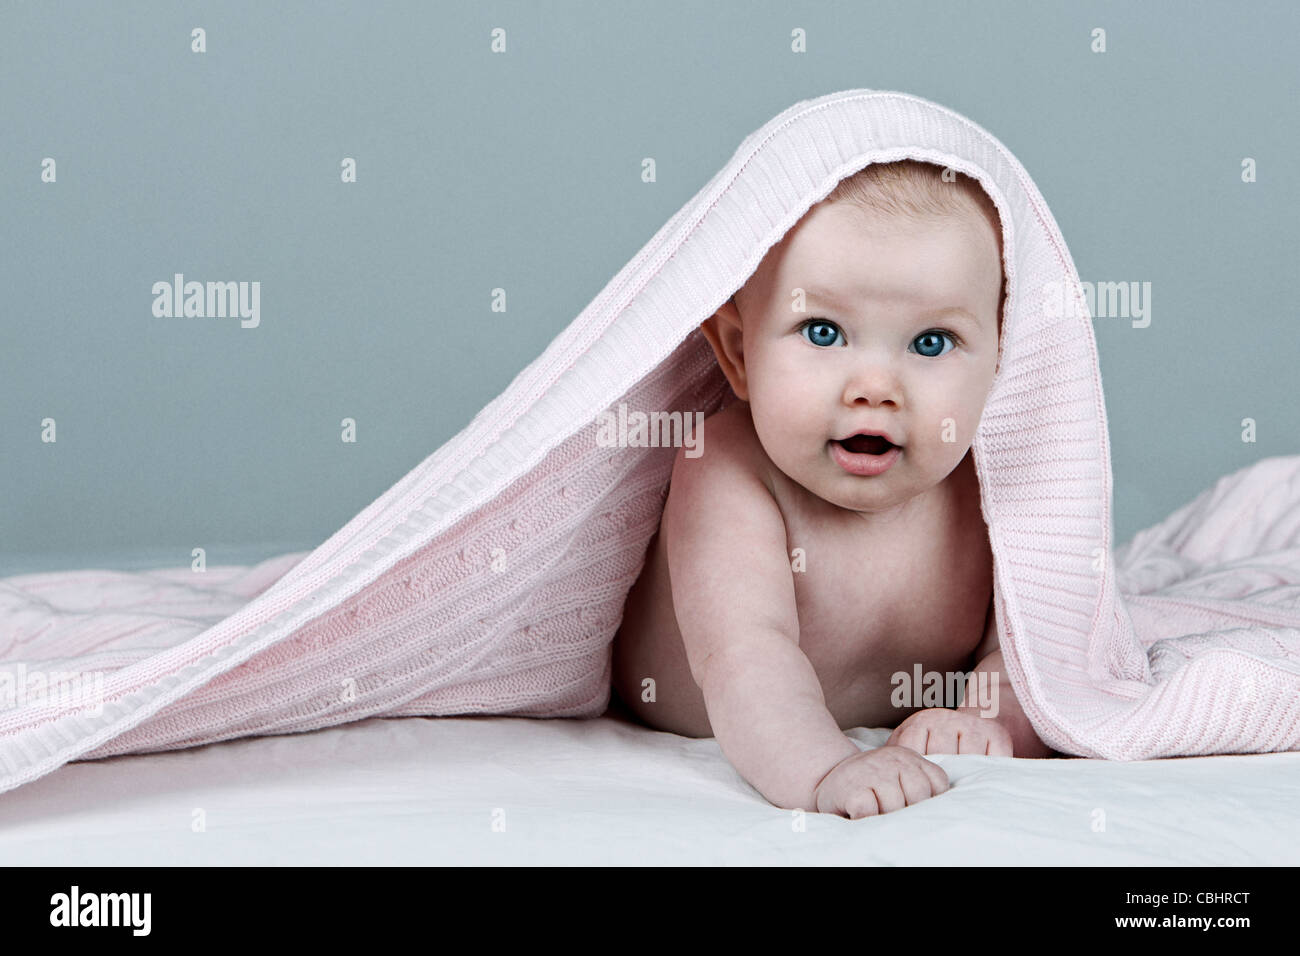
pixel 491 578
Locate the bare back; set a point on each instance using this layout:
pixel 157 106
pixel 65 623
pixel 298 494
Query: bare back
pixel 872 600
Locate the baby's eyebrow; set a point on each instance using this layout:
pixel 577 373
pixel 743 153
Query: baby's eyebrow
pixel 821 295
pixel 953 311
pixel 813 293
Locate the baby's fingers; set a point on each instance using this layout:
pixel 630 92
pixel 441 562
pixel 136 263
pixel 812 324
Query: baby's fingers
pixel 936 775
pixel 943 740
pixel 864 803
pixel 922 782
pixel 914 736
pixel 1000 743
pixel 890 794
pixel 992 740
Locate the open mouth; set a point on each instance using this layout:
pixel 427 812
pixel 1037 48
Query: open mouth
pixel 866 444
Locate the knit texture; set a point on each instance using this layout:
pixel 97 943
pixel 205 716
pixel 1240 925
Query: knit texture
pixel 491 578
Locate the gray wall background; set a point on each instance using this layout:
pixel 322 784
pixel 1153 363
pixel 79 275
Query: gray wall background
pixel 522 171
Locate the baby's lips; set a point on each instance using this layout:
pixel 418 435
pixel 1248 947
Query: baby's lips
pixel 867 444
pixel 870 431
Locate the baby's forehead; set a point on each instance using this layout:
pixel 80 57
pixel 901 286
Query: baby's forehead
pixel 820 251
pixel 963 216
pixel 827 243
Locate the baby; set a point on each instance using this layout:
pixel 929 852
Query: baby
pixel 830 544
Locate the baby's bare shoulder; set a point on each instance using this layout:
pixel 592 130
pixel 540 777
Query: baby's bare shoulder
pixel 728 472
pixel 731 445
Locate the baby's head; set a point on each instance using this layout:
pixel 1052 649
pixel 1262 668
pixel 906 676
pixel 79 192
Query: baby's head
pixel 880 311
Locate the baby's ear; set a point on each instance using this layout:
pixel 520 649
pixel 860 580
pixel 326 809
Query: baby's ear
pixel 725 333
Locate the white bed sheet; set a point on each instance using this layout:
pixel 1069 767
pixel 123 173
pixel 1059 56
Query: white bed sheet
pixel 607 791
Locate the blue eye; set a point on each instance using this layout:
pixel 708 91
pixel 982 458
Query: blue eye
pixel 931 341
pixel 824 332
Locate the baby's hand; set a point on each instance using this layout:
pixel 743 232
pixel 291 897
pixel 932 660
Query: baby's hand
pixel 937 730
pixel 877 781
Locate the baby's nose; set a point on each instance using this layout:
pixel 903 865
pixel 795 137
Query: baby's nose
pixel 872 384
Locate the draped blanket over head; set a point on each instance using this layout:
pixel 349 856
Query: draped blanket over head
pixel 492 577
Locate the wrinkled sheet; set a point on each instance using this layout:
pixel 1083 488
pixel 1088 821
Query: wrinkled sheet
pixel 605 791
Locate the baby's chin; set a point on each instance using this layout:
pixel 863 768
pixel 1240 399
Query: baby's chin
pixel 884 485
pixel 824 479
pixel 869 495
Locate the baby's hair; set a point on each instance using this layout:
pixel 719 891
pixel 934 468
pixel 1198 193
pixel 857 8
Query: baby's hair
pixel 912 188
pixel 917 190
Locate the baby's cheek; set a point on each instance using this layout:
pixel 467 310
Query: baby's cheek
pixel 787 400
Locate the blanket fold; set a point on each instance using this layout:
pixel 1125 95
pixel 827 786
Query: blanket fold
pixel 491 578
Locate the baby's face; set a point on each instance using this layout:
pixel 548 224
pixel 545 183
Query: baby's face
pixel 898 335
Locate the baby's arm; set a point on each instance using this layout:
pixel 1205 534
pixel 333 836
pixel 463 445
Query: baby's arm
pixel 733 593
